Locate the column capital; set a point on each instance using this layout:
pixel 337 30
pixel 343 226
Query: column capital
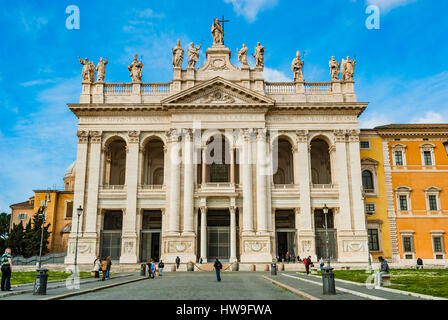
pixel 203 209
pixel 173 135
pixel 232 209
pixel 353 135
pixel 95 136
pixel 247 134
pixel 83 136
pixel 302 136
pixel 261 134
pixel 296 211
pixel 134 136
pixel 187 134
pixel 339 135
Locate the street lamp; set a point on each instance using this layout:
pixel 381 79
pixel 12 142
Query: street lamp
pixel 79 213
pixel 328 275
pixel 40 285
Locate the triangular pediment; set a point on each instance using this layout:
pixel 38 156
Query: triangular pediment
pixel 369 161
pixel 216 92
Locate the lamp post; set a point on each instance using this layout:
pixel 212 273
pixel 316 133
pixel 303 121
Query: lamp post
pixel 328 275
pixel 79 213
pixel 40 285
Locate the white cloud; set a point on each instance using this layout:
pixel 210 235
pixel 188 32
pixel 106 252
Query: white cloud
pixel 373 119
pixel 149 13
pixel 430 117
pixel 250 8
pixel 37 82
pixel 272 75
pixel 388 5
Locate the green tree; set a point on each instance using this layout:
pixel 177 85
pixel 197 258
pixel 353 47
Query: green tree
pixel 15 239
pixel 33 237
pixel 5 219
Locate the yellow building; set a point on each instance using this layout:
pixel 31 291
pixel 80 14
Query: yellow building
pixel 417 163
pixel 375 195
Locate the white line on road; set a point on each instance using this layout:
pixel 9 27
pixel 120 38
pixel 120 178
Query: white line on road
pixel 356 293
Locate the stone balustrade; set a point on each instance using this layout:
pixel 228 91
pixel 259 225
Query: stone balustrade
pixel 318 87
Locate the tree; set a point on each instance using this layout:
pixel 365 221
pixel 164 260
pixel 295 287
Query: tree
pixel 5 219
pixel 15 239
pixel 33 236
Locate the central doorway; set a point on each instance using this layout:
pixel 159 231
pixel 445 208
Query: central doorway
pixel 111 235
pixel 285 234
pixel 218 235
pixel 150 243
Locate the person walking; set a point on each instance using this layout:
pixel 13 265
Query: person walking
pixel 161 266
pixel 384 270
pixel 6 267
pixel 321 264
pixel 177 262
pixel 151 269
pixel 308 264
pixel 109 265
pixel 218 266
pixel 104 268
pixel 97 267
pixel 287 257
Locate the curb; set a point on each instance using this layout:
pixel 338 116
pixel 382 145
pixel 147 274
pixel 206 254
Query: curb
pixel 61 285
pixel 295 291
pixel 72 294
pixel 352 292
pixel 405 293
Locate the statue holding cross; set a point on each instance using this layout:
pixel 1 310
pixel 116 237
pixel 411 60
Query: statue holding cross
pixel 218 31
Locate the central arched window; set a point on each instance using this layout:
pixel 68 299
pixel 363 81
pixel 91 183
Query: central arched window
pixel 116 163
pixel 283 162
pixel 320 162
pixel 153 165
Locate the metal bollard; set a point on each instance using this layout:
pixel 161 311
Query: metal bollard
pixel 143 269
pixel 40 285
pixel 273 269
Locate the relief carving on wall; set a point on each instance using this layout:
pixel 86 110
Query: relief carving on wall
pixel 354 246
pixel 306 245
pixel 129 247
pixel 218 97
pixel 179 246
pixel 255 246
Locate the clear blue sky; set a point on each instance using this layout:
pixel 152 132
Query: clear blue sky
pixel 401 71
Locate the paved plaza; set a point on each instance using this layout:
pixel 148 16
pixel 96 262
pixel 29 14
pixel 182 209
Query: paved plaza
pixel 203 286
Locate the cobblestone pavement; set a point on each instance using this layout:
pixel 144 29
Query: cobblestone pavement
pixel 196 286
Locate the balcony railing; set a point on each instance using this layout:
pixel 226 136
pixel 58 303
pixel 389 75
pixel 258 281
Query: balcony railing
pixel 152 187
pixel 285 186
pixel 318 87
pixel 324 186
pixel 113 187
pixel 279 87
pixel 118 88
pixel 155 88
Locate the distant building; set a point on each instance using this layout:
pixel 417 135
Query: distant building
pixel 21 212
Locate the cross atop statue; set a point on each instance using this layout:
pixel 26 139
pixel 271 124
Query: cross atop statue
pixel 218 30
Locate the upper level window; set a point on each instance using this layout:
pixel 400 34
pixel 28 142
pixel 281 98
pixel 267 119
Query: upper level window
pixel 398 158
pixel 427 154
pixel 437 241
pixel 373 240
pixel 370 208
pixel 432 203
pixel 407 244
pixel 69 209
pixel 367 180
pixel 433 199
pixel 427 158
pixel 364 144
pixel 403 203
pixel 22 216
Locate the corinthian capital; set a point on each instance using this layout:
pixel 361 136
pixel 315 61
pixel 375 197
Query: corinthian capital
pixel 173 135
pixel 83 136
pixel 339 135
pixel 261 134
pixel 95 136
pixel 134 136
pixel 353 135
pixel 302 135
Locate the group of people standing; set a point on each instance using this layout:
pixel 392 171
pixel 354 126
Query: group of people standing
pixel 152 268
pixel 102 265
pixel 288 258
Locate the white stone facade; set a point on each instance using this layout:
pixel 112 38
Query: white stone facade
pixel 252 115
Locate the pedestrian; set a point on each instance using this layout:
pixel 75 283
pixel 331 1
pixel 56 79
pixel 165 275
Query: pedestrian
pixel 6 267
pixel 151 269
pixel 109 265
pixel 161 266
pixel 218 266
pixel 104 268
pixel 308 263
pixel 177 262
pixel 293 258
pixel 287 257
pixel 200 261
pixel 298 259
pixel 383 270
pixel 97 267
pixel 321 264
pixel 419 263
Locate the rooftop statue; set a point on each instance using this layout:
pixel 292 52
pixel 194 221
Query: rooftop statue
pixel 217 33
pixel 259 56
pixel 88 71
pixel 297 66
pixel 101 68
pixel 136 69
pixel 242 56
pixel 193 55
pixel 334 68
pixel 178 55
pixel 348 69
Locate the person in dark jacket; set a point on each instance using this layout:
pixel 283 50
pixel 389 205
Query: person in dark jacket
pixel 177 262
pixel 419 264
pixel 384 270
pixel 308 264
pixel 161 266
pixel 109 265
pixel 218 266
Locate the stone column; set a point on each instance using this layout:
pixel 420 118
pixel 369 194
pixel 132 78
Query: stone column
pixel 79 192
pixel 188 185
pixel 93 184
pixel 248 226
pixel 306 237
pixel 232 210
pixel 345 223
pixel 204 165
pixel 129 237
pixel 232 165
pixel 261 182
pixel 204 234
pixel 174 185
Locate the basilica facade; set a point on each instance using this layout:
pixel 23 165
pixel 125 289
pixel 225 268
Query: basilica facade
pixel 218 163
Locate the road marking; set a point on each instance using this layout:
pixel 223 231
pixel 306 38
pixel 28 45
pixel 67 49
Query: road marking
pixel 356 293
pixel 77 293
pixel 295 291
